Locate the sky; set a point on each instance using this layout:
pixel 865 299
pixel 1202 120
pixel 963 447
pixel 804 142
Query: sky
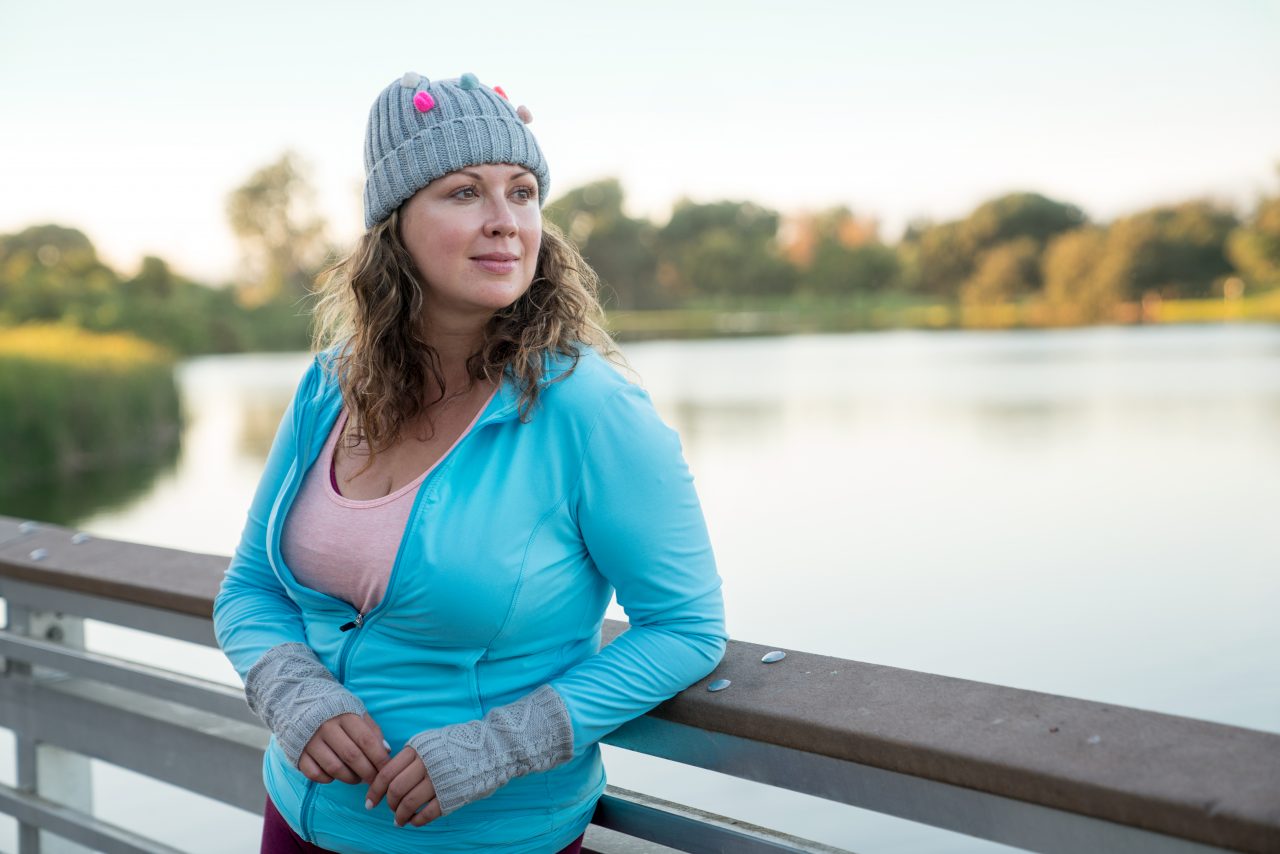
pixel 133 121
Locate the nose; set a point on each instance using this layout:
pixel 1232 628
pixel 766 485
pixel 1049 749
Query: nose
pixel 501 222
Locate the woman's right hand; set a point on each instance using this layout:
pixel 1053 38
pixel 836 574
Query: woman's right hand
pixel 349 748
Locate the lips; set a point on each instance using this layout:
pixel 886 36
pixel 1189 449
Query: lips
pixel 496 262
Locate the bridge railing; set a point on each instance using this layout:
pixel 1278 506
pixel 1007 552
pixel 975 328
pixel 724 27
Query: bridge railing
pixel 1032 770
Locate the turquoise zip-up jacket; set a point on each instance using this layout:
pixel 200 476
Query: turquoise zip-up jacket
pixel 514 546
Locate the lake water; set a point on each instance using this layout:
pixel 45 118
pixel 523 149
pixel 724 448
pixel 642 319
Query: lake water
pixel 1088 512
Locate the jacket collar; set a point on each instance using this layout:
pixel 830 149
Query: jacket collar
pixel 505 405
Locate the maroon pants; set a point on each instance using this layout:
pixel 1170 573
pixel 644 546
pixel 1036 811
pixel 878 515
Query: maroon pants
pixel 278 837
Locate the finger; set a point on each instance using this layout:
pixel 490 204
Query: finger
pixel 405 782
pixel 380 738
pixel 413 801
pixel 311 770
pixel 429 813
pixel 377 730
pixel 329 762
pixel 386 774
pixel 372 753
pixel 352 755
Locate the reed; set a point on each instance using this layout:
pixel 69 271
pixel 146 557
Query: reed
pixel 73 402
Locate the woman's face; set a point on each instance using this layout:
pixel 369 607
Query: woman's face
pixel 474 236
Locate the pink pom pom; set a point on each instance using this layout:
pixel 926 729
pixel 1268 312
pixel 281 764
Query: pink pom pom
pixel 523 112
pixel 423 101
pixel 498 89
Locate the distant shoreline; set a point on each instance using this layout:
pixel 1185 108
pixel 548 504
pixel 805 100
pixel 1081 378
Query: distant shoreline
pixel 866 316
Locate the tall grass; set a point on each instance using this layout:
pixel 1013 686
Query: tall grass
pixel 73 402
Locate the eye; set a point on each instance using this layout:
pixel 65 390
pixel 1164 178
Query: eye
pixel 467 192
pixel 525 194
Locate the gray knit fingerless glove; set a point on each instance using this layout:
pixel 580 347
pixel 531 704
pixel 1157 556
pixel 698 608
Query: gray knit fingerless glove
pixel 294 693
pixel 469 761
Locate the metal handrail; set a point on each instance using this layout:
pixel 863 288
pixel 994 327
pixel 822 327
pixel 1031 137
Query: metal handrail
pixel 1033 770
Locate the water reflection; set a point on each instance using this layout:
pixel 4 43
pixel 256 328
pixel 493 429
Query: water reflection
pixel 68 501
pixel 259 420
pixel 1028 421
pixel 697 422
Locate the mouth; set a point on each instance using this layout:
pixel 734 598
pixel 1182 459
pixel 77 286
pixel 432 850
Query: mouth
pixel 496 262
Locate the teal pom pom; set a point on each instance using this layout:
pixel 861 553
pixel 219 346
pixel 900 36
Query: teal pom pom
pixel 468 81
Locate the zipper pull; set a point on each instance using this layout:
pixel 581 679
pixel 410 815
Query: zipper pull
pixel 354 624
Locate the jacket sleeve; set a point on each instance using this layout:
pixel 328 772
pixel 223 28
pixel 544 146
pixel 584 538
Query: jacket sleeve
pixel 643 526
pixel 252 613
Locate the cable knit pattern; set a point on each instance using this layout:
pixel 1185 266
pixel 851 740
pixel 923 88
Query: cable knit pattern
pixel 294 693
pixel 469 761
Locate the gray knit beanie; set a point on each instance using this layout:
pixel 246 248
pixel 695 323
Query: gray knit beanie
pixel 420 130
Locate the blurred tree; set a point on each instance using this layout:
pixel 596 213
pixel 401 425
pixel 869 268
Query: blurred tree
pixel 1003 273
pixel 800 235
pixel 52 273
pixel 944 256
pixel 722 249
pixel 1079 279
pixel 185 316
pixel 622 250
pixel 1175 250
pixel 836 252
pixel 154 280
pixel 1254 248
pixel 837 269
pixel 1018 215
pixel 282 239
pixel 45 270
pixel 937 257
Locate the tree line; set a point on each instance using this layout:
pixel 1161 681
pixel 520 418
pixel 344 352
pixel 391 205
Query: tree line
pixel 52 274
pixel 727 254
pixel 1015 247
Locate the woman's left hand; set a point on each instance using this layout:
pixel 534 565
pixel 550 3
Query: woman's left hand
pixel 407 785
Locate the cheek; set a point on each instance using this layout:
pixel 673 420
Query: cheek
pixel 533 241
pixel 451 241
pixel 533 263
pixel 529 218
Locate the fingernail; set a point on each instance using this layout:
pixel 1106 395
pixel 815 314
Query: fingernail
pixel 368 804
pixel 387 746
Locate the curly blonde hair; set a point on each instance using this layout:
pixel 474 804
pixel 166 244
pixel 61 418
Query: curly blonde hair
pixel 370 311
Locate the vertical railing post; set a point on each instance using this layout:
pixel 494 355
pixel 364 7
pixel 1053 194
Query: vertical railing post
pixel 25 759
pixel 24 755
pixel 43 768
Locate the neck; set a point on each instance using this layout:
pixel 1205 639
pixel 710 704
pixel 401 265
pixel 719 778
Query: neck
pixel 454 345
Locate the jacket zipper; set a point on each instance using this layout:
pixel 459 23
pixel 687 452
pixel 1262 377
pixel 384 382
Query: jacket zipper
pixel 310 796
pixel 348 644
pixel 353 627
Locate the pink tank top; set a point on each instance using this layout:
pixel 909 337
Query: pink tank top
pixel 343 547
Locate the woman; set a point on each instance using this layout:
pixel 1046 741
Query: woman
pixel 458 486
